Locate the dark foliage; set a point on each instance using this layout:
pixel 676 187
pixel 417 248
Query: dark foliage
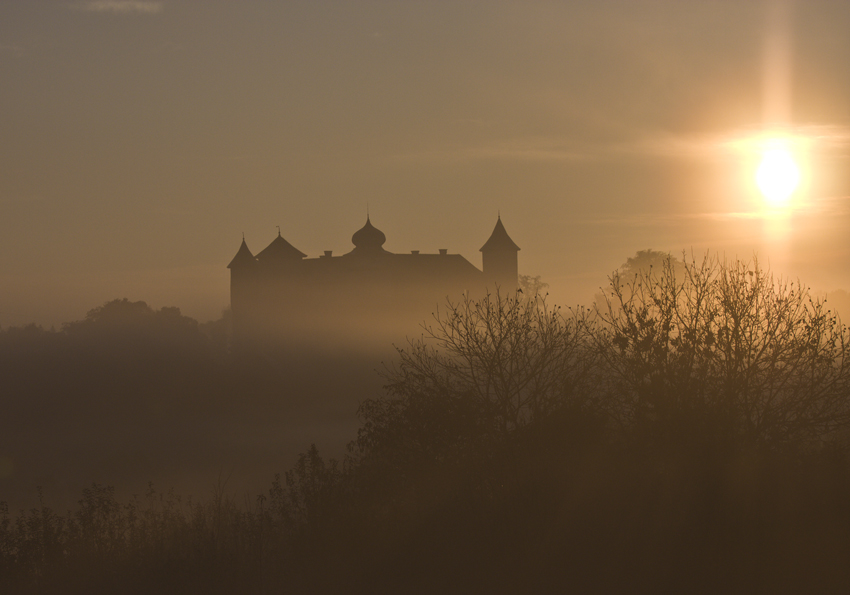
pixel 725 344
pixel 685 437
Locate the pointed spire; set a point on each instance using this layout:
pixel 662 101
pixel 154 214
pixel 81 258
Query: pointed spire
pixel 243 256
pixel 499 239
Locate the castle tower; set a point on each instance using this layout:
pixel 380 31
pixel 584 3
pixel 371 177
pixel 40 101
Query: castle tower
pixel 499 260
pixel 243 281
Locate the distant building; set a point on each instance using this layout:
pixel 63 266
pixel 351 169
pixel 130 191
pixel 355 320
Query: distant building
pixel 280 289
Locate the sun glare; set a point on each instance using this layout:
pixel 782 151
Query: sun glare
pixel 777 175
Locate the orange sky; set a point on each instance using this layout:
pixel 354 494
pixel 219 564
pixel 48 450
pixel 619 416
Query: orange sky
pixel 139 139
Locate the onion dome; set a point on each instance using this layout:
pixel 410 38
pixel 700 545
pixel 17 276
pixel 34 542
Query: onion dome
pixel 279 251
pixel 243 257
pixel 499 240
pixel 368 238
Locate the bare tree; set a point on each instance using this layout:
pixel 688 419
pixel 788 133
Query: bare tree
pixel 728 341
pixel 501 361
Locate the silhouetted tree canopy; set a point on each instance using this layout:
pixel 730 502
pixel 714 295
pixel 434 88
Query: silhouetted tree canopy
pixel 135 326
pixel 684 346
pixel 645 260
pixel 838 302
pixel 486 367
pixel 726 342
pixel 682 436
pixel 532 286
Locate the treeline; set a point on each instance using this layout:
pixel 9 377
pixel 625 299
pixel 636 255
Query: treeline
pixel 118 349
pixel 686 434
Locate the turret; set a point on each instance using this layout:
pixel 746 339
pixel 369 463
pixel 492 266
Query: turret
pixel 499 259
pixel 243 280
pixel 243 259
pixel 368 240
pixel 279 252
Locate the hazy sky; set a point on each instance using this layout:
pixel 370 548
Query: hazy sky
pixel 139 139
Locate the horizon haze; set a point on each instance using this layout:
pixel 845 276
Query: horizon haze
pixel 141 139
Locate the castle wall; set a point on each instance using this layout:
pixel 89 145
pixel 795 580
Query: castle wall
pixel 281 296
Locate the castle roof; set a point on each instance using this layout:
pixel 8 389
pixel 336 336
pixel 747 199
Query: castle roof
pixel 368 238
pixel 243 257
pixel 280 251
pixel 499 239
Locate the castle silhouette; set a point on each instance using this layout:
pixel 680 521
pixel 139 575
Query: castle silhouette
pixel 280 289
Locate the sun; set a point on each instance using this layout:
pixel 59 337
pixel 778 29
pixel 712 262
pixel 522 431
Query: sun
pixel 777 175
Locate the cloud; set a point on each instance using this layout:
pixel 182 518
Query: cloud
pixel 519 149
pixel 122 6
pixel 532 149
pixel 822 138
pixel 830 209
